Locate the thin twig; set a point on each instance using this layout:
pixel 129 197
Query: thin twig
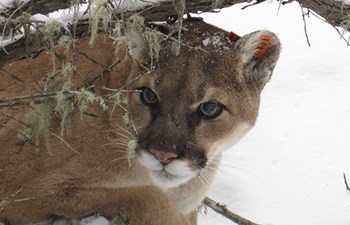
pixel 12 75
pixel 32 76
pixel 62 140
pixel 8 199
pixel 42 130
pixel 341 35
pixel 346 182
pixel 127 83
pixel 332 24
pixel 7 21
pixel 104 71
pixel 18 79
pixel 222 210
pixel 120 90
pixel 255 3
pixel 12 199
pixel 19 132
pixel 27 97
pixel 305 29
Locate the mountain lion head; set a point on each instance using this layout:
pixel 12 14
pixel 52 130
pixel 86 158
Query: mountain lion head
pixel 190 106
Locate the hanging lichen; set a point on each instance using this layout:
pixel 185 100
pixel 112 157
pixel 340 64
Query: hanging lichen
pixel 84 98
pixel 154 39
pixel 121 218
pixel 132 145
pixel 100 15
pixel 64 106
pixel 152 36
pixel 119 38
pixel 346 25
pixel 52 30
pixel 216 3
pixel 66 42
pixel 38 120
pixel 126 119
pixel 117 99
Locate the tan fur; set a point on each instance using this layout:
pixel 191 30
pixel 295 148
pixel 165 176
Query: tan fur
pixel 89 169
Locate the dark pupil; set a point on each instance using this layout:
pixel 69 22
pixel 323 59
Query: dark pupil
pixel 210 109
pixel 149 96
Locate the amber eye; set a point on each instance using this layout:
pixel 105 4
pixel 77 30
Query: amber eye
pixel 148 97
pixel 210 110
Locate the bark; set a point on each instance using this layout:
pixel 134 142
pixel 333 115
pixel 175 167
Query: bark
pixel 36 6
pixel 334 12
pixel 222 210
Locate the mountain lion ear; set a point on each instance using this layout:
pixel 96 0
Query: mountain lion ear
pixel 259 52
pixel 137 46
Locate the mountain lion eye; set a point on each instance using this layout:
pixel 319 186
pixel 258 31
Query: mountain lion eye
pixel 148 97
pixel 210 110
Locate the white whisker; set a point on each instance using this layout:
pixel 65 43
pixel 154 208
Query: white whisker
pixel 120 141
pixel 123 135
pixel 114 144
pixel 201 179
pixel 129 158
pixel 204 176
pixel 125 130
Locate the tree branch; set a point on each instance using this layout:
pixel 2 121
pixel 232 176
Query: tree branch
pixel 33 43
pixel 222 210
pixel 38 6
pixel 305 28
pixel 334 12
pixel 346 182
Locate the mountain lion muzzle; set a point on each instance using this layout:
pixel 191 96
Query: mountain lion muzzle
pixel 150 157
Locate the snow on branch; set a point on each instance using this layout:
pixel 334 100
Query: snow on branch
pixel 17 21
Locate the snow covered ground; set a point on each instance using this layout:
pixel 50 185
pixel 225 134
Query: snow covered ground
pixel 289 169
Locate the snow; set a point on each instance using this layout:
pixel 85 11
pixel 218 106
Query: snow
pixel 346 2
pixel 289 169
pixel 4 42
pixel 4 4
pixel 91 220
pixel 134 5
pixel 214 40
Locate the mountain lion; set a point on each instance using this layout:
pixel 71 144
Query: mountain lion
pixel 151 157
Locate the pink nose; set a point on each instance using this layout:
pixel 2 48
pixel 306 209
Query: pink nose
pixel 163 157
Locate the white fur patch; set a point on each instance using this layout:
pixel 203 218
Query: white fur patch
pixel 171 175
pixel 230 139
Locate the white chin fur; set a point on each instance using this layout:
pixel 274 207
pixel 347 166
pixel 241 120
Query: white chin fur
pixel 172 175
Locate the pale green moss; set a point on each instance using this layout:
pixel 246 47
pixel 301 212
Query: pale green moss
pixel 154 39
pixel 132 145
pixel 216 3
pixel 84 98
pixel 100 15
pixel 64 109
pixel 38 119
pixel 121 218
